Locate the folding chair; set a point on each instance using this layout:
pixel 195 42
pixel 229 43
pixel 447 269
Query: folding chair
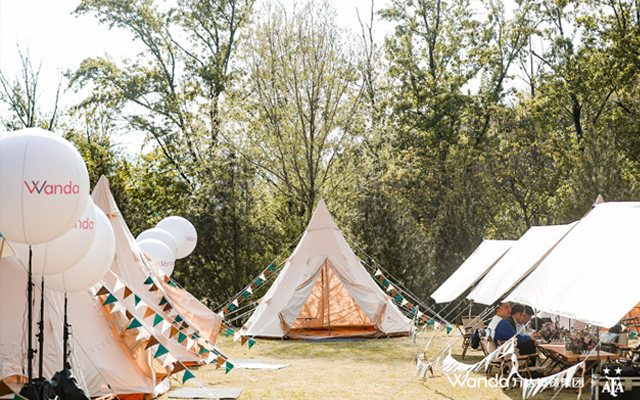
pixel 469 325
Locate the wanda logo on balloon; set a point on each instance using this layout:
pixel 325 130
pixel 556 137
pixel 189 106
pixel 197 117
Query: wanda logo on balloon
pixel 86 224
pixel 166 263
pixel 69 188
pixel 191 239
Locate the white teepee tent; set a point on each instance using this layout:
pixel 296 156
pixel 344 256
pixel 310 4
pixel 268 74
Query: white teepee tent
pixel 323 290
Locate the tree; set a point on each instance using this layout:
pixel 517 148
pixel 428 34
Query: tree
pixel 172 90
pixel 22 96
pixel 297 103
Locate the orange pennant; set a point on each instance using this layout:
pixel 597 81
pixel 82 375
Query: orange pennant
pixel 127 292
pixel 174 331
pixel 148 312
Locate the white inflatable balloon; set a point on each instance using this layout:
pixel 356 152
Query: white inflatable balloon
pixel 93 266
pixel 161 235
pixel 160 254
pixel 64 252
pixel 184 233
pixel 45 186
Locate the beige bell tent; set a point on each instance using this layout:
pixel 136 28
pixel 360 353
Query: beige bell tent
pixel 101 362
pixel 324 291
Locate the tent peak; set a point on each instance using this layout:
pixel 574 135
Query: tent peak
pixel 321 218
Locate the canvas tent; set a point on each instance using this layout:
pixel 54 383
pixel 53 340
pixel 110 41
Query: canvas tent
pixel 133 269
pixel 472 269
pixel 590 274
pixel 517 262
pixel 100 360
pixel 324 290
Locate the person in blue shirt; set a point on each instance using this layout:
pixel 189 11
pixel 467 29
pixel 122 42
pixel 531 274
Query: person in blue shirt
pixel 504 331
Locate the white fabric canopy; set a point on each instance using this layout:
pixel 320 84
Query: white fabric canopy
pixel 474 268
pixel 591 275
pixel 520 259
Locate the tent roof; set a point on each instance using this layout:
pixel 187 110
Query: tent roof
pixel 590 274
pixel 520 259
pixel 474 268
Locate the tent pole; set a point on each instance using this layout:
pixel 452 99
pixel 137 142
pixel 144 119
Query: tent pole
pixel 326 276
pixel 65 334
pixel 41 332
pixel 30 352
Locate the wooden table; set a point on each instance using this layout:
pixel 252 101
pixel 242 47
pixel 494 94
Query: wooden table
pixel 562 357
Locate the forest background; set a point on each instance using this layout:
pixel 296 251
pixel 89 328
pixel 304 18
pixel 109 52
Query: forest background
pixel 471 120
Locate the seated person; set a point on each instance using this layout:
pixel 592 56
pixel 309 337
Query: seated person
pixel 500 312
pixel 520 316
pixel 504 331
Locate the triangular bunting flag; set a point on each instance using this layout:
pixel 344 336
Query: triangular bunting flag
pixel 251 343
pixel 153 288
pixel 181 337
pixel 167 307
pixel 167 279
pixel 185 325
pixel 223 327
pixel 127 292
pixel 178 319
pixel 235 303
pixel 136 300
pixel 236 336
pixel 178 367
pixel 203 351
pixel 250 290
pixel 187 375
pixel 449 329
pixel 172 284
pixel 243 340
pixel 149 281
pixel 229 367
pixel 219 362
pixel 271 268
pixel 157 319
pixel 378 272
pixel 119 285
pixel 110 299
pixel 262 277
pixel 165 326
pixel 134 324
pixel 229 332
pixel 632 334
pixel 163 301
pixel 148 312
pixel 429 322
pixel 103 290
pixel 129 315
pixel 151 342
pixel 161 351
pixel 117 307
pixel 385 283
pixel 174 331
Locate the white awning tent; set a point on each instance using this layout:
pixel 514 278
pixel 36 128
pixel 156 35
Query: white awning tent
pixel 473 269
pixel 521 258
pixel 591 274
pixel 324 290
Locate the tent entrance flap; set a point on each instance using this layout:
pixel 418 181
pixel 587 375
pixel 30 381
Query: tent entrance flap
pixel 331 309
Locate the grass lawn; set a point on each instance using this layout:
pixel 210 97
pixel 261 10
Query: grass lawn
pixel 371 369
